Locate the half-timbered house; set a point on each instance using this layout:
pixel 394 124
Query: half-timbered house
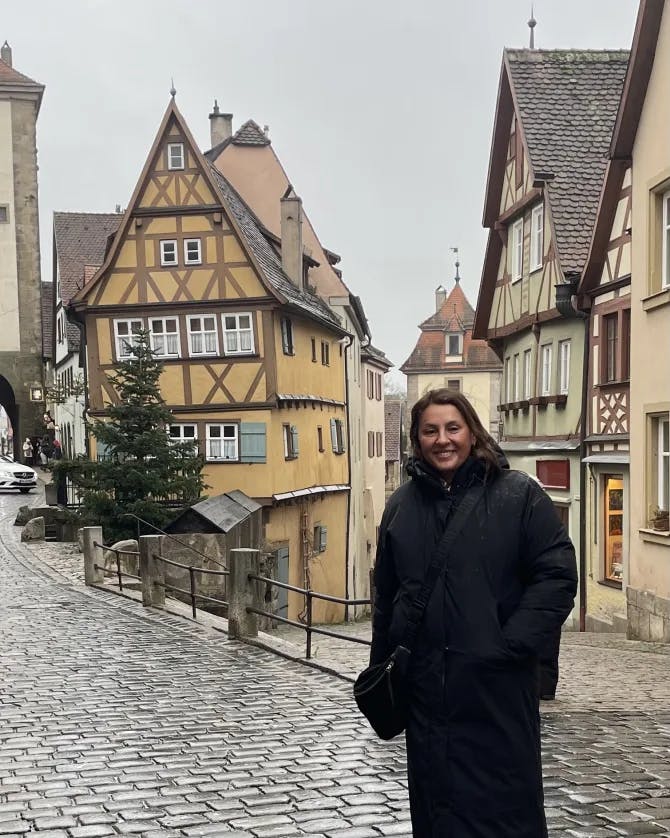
pixel 253 360
pixel 249 161
pixel 638 183
pixel 554 119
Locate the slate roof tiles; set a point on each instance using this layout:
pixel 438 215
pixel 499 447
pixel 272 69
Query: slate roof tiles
pixel 392 428
pixel 567 102
pixel 47 319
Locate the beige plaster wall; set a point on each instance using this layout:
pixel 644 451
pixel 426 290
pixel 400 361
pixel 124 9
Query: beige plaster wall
pixel 650 329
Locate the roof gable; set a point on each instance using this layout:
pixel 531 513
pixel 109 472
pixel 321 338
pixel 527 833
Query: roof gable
pixel 455 313
pixel 80 241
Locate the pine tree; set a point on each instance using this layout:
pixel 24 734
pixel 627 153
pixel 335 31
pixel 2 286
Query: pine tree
pixel 141 469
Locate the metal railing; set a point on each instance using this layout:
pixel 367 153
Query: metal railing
pixel 308 625
pixel 119 573
pixel 192 593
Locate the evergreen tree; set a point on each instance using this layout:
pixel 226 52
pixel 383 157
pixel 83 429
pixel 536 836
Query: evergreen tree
pixel 141 469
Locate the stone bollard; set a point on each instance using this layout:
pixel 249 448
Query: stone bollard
pixel 242 592
pixel 93 556
pixel 152 571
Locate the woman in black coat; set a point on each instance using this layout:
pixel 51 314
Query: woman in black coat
pixel 473 727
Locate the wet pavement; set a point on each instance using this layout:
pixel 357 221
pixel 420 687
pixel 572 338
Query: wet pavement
pixel 117 720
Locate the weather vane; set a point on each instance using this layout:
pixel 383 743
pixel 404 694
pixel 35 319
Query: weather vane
pixel 173 91
pixel 532 23
pixel 458 264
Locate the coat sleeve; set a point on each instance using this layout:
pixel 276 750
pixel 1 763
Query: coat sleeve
pixel 386 587
pixel 549 571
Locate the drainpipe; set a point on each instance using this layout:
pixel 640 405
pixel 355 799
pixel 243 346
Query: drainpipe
pixel 566 305
pixel 346 345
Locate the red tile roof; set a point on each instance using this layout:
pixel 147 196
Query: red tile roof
pixel 9 75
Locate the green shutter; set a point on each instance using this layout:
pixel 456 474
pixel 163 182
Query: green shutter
pixel 294 440
pixel 323 538
pixel 333 435
pixel 252 442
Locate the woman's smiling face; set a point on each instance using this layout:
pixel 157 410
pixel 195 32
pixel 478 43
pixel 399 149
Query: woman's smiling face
pixel 445 440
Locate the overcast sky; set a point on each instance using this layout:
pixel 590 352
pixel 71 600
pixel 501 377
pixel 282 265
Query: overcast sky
pixel 381 112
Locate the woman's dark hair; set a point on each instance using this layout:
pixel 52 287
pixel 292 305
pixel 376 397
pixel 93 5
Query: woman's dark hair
pixel 484 448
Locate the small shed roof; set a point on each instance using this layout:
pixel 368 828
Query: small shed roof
pixel 223 511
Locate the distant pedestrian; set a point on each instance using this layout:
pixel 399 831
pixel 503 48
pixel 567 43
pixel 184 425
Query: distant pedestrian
pixel 28 452
pixel 57 452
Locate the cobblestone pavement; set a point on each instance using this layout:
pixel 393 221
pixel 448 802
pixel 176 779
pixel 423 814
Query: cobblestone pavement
pixel 119 720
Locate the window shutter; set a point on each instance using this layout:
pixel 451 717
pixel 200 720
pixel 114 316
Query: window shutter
pixel 333 435
pixel 252 442
pixel 294 440
pixel 323 538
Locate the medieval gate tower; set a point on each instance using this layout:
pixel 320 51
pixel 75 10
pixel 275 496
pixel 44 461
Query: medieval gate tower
pixel 21 384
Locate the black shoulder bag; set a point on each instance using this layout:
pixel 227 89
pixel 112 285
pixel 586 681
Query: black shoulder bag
pixel 381 690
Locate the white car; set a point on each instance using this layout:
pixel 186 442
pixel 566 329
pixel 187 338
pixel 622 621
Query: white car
pixel 16 476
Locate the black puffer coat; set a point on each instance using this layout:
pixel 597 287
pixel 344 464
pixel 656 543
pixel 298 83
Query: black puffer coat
pixel 473 732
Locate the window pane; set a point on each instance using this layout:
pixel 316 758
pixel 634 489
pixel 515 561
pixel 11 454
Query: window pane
pixel 194 323
pixel 170 325
pixel 196 343
pixel 122 328
pixel 214 447
pixel 231 322
pixel 210 343
pixel 245 341
pixel 136 326
pixel 156 325
pixel 208 324
pixel 172 345
pixel 229 431
pixel 245 321
pixel 231 342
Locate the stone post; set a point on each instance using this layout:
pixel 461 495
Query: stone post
pixel 242 592
pixel 152 571
pixel 93 556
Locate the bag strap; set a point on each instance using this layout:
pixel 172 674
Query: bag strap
pixel 416 609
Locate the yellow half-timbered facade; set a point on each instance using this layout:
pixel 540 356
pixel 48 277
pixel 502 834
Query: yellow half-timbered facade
pixel 253 361
pixel 544 183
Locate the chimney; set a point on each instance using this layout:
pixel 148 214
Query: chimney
pixel 220 125
pixel 440 297
pixel 6 54
pixel 291 236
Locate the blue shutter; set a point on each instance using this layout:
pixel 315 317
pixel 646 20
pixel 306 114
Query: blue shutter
pixel 252 442
pixel 294 440
pixel 333 435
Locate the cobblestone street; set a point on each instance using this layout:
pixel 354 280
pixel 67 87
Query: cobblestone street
pixel 119 720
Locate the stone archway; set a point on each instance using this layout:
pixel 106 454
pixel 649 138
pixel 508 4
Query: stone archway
pixel 8 401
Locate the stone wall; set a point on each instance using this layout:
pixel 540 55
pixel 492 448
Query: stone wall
pixel 648 616
pixel 24 368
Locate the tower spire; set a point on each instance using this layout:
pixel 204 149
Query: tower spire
pixel 532 23
pixel 457 278
pixel 173 91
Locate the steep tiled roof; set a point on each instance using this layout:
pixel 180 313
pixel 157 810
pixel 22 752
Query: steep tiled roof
pixel 8 75
pixel 47 318
pixel 267 256
pixel 455 313
pixel 392 426
pixel 250 134
pixel 567 102
pixel 81 241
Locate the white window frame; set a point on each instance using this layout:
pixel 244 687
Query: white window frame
pixel 517 377
pixel 165 261
pixel 448 337
pixel 545 380
pixel 239 333
pixel 665 263
pixel 563 366
pixel 527 373
pixel 663 462
pixel 176 163
pixel 181 437
pixel 508 380
pixel 516 250
pixel 126 339
pixel 189 260
pixel 166 336
pixel 227 432
pixel 537 237
pixel 202 333
pixel 290 437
